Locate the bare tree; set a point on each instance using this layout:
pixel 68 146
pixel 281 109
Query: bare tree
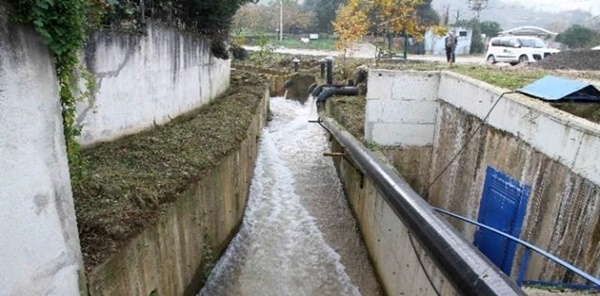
pixel 477 6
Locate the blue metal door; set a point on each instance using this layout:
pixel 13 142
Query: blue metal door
pixel 503 207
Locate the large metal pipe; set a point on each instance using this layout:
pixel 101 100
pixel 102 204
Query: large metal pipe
pixel 469 271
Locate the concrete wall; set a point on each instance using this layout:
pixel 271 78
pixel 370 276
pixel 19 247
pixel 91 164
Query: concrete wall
pixel 400 115
pixel 276 78
pixel 554 152
pixel 40 253
pixel 143 80
pixel 390 246
pixel 401 108
pixel 169 258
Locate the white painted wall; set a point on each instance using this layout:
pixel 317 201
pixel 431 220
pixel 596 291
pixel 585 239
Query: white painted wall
pixel 435 45
pixel 401 107
pixel 148 79
pixel 39 252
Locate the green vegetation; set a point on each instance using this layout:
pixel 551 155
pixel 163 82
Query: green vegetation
pixel 63 27
pixel 127 182
pixel 265 18
pixel 350 113
pixel 208 258
pixel 325 13
pixel 578 36
pixel 490 29
pixel 427 15
pixel 319 44
pixel 511 78
pixel 507 79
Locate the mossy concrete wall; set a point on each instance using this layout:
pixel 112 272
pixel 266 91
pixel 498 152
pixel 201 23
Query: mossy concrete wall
pixel 170 258
pixel 414 163
pixel 276 78
pixel 300 83
pixel 563 209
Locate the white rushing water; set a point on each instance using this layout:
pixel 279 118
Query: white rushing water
pixel 296 210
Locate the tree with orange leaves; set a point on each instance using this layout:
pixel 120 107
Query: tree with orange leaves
pixel 351 24
pixel 396 16
pixel 389 16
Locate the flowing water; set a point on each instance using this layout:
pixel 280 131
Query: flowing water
pixel 298 236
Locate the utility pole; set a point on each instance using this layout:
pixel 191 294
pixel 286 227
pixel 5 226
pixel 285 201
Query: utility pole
pixel 446 20
pixel 280 20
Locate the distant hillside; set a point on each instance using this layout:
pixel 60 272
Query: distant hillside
pixel 511 15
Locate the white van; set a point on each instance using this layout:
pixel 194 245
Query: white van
pixel 517 49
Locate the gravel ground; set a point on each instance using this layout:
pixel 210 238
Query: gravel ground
pixel 572 60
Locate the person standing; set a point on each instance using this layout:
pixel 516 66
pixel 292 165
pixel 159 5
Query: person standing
pixel 451 41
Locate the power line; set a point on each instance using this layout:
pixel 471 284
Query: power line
pixel 466 143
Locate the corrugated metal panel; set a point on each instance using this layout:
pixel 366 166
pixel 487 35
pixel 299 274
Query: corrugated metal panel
pixel 503 207
pixel 552 88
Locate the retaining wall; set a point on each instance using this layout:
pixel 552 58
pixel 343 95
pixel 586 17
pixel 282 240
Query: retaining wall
pixel 39 253
pixel 145 80
pixel 554 152
pixel 402 266
pixel 276 78
pixel 170 258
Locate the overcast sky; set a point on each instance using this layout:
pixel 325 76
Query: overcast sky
pixel 592 6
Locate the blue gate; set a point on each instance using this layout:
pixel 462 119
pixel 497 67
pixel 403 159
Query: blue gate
pixel 503 207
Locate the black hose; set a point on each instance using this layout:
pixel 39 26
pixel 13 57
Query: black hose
pixel 312 87
pixel 317 91
pixel 328 92
pixel 288 83
pixel 469 271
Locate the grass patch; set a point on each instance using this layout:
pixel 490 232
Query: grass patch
pixel 507 79
pixel 511 78
pixel 350 113
pixel 319 44
pixel 127 183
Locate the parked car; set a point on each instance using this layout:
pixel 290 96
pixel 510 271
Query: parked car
pixel 517 49
pixel 596 48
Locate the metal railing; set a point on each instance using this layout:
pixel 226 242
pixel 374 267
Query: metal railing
pixel 528 247
pixel 468 270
